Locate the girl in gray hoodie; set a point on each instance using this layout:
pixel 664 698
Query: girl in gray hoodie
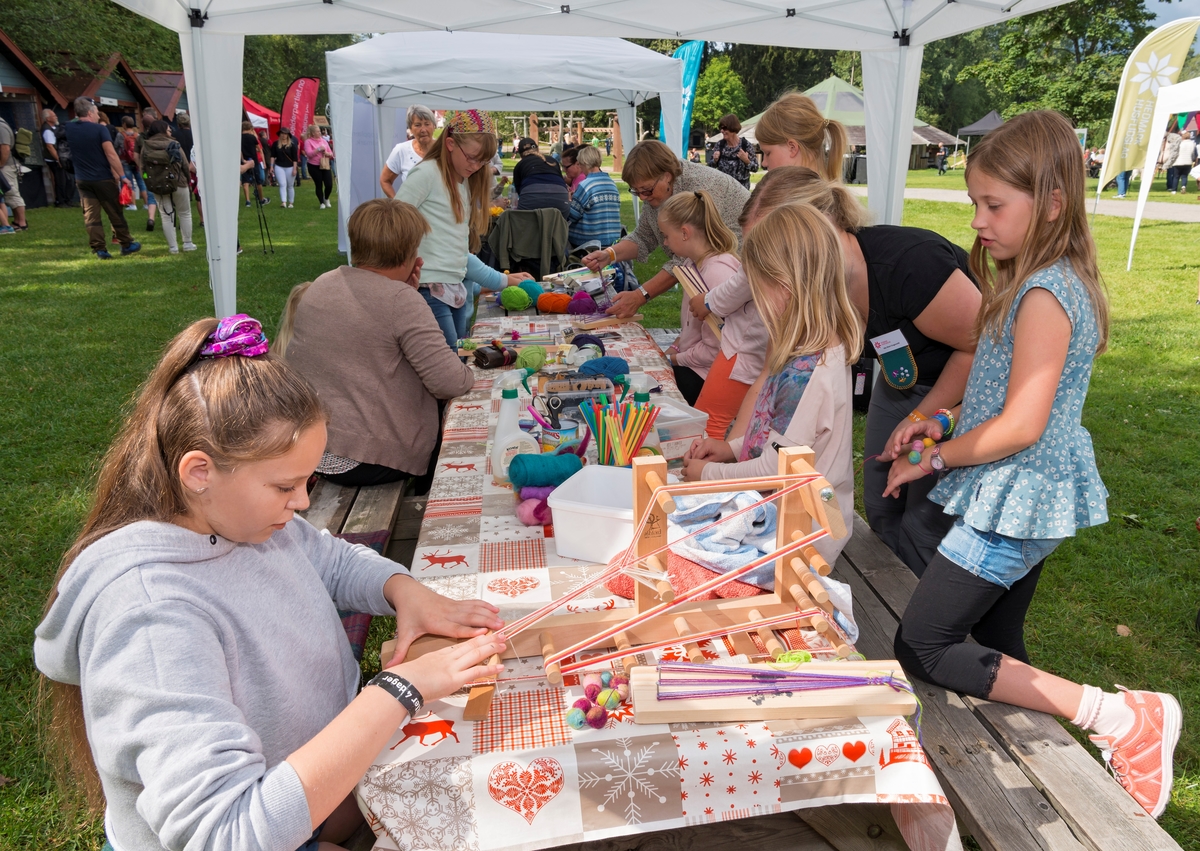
pixel 199 676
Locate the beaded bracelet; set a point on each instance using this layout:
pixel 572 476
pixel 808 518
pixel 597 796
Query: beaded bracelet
pixel 943 416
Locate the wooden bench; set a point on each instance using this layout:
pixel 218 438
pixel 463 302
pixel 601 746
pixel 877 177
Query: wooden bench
pixel 1016 779
pixel 354 510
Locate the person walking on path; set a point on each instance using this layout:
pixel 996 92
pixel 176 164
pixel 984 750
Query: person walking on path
pixel 316 152
pixel 1170 153
pixel 1184 160
pixel 98 174
pixel 11 176
pixel 941 159
pixel 64 182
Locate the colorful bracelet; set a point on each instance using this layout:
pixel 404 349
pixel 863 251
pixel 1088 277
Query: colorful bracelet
pixel 943 416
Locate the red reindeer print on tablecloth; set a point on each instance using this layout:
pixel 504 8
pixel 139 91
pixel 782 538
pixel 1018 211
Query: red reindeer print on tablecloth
pixel 448 467
pixel 446 561
pixel 420 729
pixel 526 790
pixel 468 407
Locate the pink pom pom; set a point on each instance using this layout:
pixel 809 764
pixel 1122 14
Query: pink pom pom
pixel 917 445
pixel 623 690
pixel 597 717
pixel 618 680
pixel 583 703
pixel 591 690
pixel 588 679
pixel 534 512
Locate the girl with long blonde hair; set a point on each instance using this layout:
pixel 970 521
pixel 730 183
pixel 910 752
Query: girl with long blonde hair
pixel 794 132
pixel 793 260
pixel 1020 474
pixel 452 188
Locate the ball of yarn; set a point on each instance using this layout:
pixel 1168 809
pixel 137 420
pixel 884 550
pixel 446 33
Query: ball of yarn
pixel 531 470
pixel 576 719
pixel 581 305
pixel 606 678
pixel 609 367
pixel 914 457
pixel 553 302
pixel 532 357
pixel 623 690
pixel 618 680
pixel 532 289
pixel 582 704
pixel 534 512
pixel 608 698
pixel 591 690
pixel 536 493
pixel 597 717
pixel 591 677
pixel 586 339
pixel 515 298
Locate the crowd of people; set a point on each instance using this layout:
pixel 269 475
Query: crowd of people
pixel 976 463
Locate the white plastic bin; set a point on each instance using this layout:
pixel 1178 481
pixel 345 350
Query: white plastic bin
pixel 678 425
pixel 593 513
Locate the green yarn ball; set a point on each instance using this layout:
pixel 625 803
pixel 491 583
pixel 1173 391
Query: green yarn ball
pixel 532 357
pixel 515 298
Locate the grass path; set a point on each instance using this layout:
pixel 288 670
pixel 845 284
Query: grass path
pixel 79 335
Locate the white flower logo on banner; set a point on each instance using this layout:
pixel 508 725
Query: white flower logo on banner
pixel 1155 74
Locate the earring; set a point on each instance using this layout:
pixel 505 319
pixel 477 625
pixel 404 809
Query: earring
pixel 201 490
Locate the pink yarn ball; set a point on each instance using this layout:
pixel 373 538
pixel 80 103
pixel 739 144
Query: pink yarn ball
pixel 617 680
pixel 917 445
pixel 534 512
pixel 597 717
pixel 583 703
pixel 589 678
pixel 591 690
pixel 623 690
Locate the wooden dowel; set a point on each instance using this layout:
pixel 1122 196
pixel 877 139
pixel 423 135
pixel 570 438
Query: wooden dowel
pixel 655 563
pixel 654 481
pixel 773 644
pixel 811 584
pixel 624 645
pixel 816 560
pixel 553 672
pixel 840 647
pixel 684 629
pixel 665 592
pixel 800 597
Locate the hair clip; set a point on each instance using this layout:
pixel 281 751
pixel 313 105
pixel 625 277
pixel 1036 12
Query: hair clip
pixel 236 335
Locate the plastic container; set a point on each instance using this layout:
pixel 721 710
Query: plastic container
pixel 593 513
pixel 678 425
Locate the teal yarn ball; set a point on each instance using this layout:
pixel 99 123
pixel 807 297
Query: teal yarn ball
pixel 576 718
pixel 532 289
pixel 515 298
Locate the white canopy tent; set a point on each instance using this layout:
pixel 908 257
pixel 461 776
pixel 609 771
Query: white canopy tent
pixel 1181 97
pixel 890 33
pixel 494 72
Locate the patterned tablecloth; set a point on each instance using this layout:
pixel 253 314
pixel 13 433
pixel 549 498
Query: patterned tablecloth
pixel 523 779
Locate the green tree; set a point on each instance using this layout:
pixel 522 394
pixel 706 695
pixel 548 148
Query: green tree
pixel 719 91
pixel 1068 58
pixel 273 61
pixel 767 71
pixel 943 99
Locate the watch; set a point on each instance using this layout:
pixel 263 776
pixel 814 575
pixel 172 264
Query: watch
pixel 935 459
pixel 401 689
pixel 646 295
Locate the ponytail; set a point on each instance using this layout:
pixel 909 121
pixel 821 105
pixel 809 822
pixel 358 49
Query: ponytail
pixel 795 117
pixel 698 210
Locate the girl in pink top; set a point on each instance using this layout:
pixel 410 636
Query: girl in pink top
pixel 692 228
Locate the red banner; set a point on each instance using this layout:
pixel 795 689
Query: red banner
pixel 299 105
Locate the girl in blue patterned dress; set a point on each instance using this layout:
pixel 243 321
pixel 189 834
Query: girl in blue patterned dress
pixel 1021 473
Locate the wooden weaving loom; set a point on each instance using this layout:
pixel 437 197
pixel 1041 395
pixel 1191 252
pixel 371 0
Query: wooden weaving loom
pixel 662 617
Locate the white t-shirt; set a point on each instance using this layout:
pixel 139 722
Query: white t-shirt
pixel 402 159
pixel 1187 152
pixel 48 137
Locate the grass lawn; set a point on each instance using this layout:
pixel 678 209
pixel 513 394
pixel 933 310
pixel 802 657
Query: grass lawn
pixel 80 334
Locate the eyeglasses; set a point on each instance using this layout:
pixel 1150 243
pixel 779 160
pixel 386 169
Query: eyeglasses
pixel 476 161
pixel 645 193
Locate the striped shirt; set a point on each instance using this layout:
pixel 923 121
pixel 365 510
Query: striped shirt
pixel 595 211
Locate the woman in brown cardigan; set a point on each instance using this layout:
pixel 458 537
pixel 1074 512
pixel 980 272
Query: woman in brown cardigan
pixel 368 342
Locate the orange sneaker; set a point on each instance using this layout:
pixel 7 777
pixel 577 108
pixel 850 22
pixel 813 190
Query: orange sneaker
pixel 1141 760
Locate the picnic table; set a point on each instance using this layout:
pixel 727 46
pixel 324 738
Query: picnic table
pixel 522 778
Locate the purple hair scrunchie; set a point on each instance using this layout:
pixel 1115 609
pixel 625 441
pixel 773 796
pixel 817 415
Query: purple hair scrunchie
pixel 236 335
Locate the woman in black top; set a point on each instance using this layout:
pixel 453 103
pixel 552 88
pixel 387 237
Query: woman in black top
pixel 538 183
pixel 284 154
pixel 250 162
pixel 733 155
pixel 909 282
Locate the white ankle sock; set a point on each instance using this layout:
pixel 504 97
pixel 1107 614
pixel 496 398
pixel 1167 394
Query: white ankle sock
pixel 1104 713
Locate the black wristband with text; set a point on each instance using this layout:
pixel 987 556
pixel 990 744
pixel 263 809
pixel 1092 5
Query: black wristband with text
pixel 401 689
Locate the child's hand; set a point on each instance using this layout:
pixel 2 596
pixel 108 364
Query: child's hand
pixel 516 277
pixel 443 672
pixel 697 306
pixel 421 611
pixel 905 433
pixel 902 472
pixel 708 449
pixel 693 469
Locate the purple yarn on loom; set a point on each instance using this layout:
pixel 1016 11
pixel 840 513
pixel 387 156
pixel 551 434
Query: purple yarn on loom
pixel 582 304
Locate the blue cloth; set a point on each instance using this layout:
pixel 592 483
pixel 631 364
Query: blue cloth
pixel 609 367
pixel 1053 487
pixel 741 540
pixel 446 319
pixel 595 211
pixel 87 140
pixel 994 558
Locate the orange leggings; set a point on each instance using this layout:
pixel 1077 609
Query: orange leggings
pixel 721 397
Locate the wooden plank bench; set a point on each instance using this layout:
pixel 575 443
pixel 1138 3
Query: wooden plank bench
pixel 345 510
pixel 1016 778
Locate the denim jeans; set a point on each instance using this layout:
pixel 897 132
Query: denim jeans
pixel 444 314
pixel 1123 181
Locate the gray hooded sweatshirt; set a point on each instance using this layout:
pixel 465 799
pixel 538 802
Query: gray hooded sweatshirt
pixel 203 664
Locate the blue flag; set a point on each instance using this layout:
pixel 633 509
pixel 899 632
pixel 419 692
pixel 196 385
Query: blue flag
pixel 691 53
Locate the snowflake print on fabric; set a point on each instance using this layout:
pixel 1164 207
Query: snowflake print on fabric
pixel 727 772
pixel 629 780
pixel 464 586
pixel 425 803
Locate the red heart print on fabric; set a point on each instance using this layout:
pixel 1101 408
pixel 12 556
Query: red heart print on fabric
pixel 513 587
pixel 827 754
pixel 526 790
pixel 799 758
pixel 853 751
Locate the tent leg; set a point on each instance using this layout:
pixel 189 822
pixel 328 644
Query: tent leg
pixel 890 80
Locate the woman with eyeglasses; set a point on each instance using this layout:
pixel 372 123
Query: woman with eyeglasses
pixel 654 174
pixel 452 190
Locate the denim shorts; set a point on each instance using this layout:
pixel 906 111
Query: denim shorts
pixel 995 558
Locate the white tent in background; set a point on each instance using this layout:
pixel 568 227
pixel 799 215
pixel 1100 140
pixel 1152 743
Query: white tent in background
pixel 1181 97
pixel 211 35
pixel 490 71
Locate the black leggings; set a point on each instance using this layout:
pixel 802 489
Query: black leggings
pixel 323 181
pixel 689 383
pixel 951 603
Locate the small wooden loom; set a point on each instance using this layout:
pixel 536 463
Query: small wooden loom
pixel 693 285
pixel 659 619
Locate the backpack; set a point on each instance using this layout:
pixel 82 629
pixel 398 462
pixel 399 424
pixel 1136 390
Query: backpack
pixel 162 165
pixel 63 146
pixel 128 147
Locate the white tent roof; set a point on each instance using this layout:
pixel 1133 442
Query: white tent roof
pixel 457 70
pixel 890 34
